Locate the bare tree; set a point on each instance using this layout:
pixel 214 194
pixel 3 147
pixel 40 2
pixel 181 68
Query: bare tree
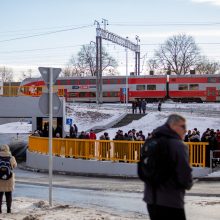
pixel 178 54
pixel 205 66
pixel 152 64
pixel 6 74
pixel 26 74
pixel 85 63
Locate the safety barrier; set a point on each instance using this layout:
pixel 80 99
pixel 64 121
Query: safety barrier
pixel 117 151
pixel 30 90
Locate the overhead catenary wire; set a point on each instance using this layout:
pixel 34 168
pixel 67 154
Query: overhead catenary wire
pixel 143 24
pixel 45 33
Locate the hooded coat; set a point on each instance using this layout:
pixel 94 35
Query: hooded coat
pixel 8 185
pixel 171 193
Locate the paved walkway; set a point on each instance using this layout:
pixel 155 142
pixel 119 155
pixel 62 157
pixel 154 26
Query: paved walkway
pixel 201 188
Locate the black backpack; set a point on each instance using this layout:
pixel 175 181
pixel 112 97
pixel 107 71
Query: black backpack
pixel 5 168
pixel 155 166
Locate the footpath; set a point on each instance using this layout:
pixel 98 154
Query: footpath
pixel 200 188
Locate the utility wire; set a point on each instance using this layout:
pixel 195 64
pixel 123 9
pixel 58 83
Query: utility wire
pixel 165 24
pixel 43 28
pixel 46 33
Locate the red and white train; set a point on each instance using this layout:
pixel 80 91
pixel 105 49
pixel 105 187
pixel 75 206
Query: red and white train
pixel 184 88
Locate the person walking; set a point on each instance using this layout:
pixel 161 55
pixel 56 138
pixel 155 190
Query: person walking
pixel 143 106
pixel 139 104
pixel 166 200
pixel 159 106
pixel 134 107
pixel 7 177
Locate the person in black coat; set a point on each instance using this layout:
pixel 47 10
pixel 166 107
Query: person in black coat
pixel 166 201
pixel 159 106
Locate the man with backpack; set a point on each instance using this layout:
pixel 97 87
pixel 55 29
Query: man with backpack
pixel 164 167
pixel 7 181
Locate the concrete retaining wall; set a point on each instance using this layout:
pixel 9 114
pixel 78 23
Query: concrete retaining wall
pixel 92 167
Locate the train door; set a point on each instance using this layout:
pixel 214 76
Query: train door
pixel 123 95
pixel 211 94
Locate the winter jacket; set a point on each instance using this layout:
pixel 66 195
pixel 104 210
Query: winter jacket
pixel 92 136
pixel 171 193
pixel 8 185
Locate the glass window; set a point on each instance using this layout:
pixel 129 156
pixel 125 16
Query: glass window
pixel 92 81
pixel 151 87
pixel 194 87
pixel 110 94
pixel 82 82
pixel 211 79
pixel 183 87
pixel 72 94
pixel 63 82
pixel 140 87
pixel 105 81
pixel 82 94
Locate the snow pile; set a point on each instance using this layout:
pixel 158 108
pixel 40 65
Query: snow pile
pixel 202 208
pixel 31 209
pixel 16 127
pixel 154 119
pixel 214 174
pixel 87 116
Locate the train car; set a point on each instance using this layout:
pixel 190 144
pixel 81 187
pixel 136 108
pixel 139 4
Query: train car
pixel 185 88
pixel 196 88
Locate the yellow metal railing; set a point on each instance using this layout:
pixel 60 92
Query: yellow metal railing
pixel 30 90
pixel 122 151
pixel 197 153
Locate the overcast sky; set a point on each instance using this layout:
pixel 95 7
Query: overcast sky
pixel 153 21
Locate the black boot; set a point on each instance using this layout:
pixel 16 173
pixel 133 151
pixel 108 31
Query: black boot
pixel 8 209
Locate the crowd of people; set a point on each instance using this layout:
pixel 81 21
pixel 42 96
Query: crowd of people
pixel 141 106
pixel 57 132
pixel 210 135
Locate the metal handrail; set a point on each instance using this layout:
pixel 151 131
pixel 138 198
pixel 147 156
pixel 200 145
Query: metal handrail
pixel 111 150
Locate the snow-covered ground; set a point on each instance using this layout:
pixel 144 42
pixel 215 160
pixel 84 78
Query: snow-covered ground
pixel 214 174
pixel 87 116
pixel 16 127
pixel 155 119
pixel 32 209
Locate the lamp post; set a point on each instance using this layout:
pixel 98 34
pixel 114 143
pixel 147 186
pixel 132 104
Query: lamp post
pixel 96 72
pixel 126 50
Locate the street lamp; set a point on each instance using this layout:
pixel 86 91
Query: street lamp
pixel 126 50
pixel 96 72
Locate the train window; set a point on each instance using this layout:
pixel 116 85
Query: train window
pixel 113 81
pixel 151 87
pixel 212 79
pixel 183 87
pixel 82 94
pixel 194 87
pixel 63 82
pixel 110 94
pixel 105 81
pixel 92 94
pixel 82 82
pixel 113 94
pixel 121 81
pixel 72 94
pixel 92 81
pixel 140 87
pixel 105 94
